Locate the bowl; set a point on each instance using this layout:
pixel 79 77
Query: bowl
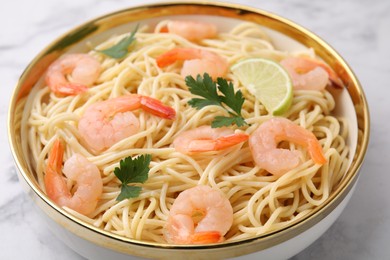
pixel 95 243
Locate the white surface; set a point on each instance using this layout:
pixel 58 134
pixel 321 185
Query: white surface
pixel 358 30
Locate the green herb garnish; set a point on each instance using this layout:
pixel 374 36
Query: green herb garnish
pixel 120 49
pixel 207 88
pixel 132 171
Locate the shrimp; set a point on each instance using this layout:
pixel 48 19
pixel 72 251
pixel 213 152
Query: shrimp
pixel 83 68
pixel 308 73
pixel 196 61
pixel 199 215
pixel 191 30
pixel 76 168
pixel 107 122
pixel 263 144
pixel 205 139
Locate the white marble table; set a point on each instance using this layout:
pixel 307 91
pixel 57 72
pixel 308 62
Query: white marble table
pixel 359 30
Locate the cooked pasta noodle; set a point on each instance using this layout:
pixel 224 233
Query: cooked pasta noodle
pixel 261 202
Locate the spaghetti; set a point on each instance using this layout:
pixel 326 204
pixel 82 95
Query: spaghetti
pixel 261 202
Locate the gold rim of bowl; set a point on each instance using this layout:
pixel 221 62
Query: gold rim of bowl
pixel 125 245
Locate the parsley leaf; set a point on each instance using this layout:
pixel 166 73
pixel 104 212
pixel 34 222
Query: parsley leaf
pixel 128 192
pixel 231 99
pixel 132 171
pixel 120 49
pixel 207 88
pixel 200 103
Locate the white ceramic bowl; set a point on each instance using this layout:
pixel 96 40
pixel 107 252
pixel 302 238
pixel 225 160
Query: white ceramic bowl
pixel 94 243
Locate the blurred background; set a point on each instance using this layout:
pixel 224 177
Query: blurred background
pixel 358 30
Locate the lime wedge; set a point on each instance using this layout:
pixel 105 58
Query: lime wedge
pixel 268 81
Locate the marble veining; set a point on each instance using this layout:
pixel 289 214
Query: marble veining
pixel 358 30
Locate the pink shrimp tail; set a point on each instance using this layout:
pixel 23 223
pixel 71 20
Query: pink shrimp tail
pixel 164 29
pixel 55 156
pixel 157 108
pixel 206 237
pixel 230 140
pixel 316 152
pixel 53 179
pixel 221 143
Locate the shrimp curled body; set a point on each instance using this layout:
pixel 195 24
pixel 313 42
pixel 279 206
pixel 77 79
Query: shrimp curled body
pixel 83 68
pixel 264 140
pixel 191 30
pixel 205 139
pixel 211 205
pixel 76 168
pixel 196 61
pixel 107 122
pixel 310 74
